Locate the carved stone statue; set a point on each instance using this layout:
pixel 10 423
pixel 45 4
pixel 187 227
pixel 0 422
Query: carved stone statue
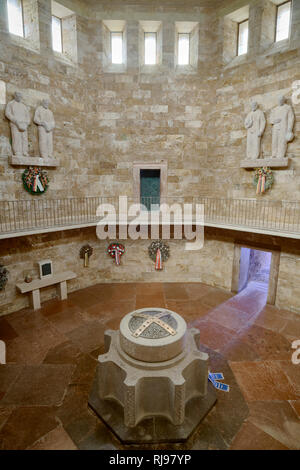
pixel 255 124
pixel 283 118
pixel 18 115
pixel 43 117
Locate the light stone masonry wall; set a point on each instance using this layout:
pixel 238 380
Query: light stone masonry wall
pixel 21 255
pixel 212 265
pixel 266 72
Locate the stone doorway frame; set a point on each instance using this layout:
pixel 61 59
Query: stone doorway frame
pixel 162 165
pixel 274 268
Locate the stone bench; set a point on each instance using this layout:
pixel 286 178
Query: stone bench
pixel 37 284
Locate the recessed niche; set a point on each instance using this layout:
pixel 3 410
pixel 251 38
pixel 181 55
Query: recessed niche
pixel 150 187
pixel 231 33
pixel 150 182
pixel 186 46
pixel 114 38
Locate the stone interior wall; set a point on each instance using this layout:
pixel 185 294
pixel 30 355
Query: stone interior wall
pixel 267 71
pixel 20 256
pixel 211 265
pixel 107 121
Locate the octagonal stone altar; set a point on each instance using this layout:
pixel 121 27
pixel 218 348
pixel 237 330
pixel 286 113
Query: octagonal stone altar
pixel 151 385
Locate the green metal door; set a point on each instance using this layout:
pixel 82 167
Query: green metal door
pixel 150 188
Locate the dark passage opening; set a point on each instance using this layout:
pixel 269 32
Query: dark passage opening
pixel 254 268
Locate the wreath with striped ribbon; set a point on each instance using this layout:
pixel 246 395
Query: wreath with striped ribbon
pixel 263 179
pixel 116 250
pixel 159 245
pixel 35 180
pixel 159 252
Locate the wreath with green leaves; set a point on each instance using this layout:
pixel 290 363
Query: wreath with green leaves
pixel 159 245
pixel 115 246
pixel 3 276
pixel 35 180
pixel 263 179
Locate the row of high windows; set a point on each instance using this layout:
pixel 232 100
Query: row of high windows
pixel 15 9
pixel 150 48
pixel 151 38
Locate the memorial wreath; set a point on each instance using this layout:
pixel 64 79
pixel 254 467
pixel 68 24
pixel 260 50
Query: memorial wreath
pixel 3 276
pixel 263 179
pixel 116 250
pixel 35 180
pixel 85 253
pixel 159 252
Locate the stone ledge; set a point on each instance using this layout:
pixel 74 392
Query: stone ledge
pixel 32 161
pixel 262 162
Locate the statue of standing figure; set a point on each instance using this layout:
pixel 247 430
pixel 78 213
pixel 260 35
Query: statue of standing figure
pixel 18 115
pixel 255 124
pixel 283 118
pixel 43 117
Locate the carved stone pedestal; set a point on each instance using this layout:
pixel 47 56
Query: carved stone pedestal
pixel 157 401
pixel 33 161
pixel 263 162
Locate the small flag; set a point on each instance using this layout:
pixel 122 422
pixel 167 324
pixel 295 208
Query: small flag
pixel 2 352
pixel 218 376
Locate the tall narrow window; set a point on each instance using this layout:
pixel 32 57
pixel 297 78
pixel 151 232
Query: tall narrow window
pixel 183 48
pixel 57 34
pixel 116 48
pixel 242 46
pixel 283 21
pixel 150 48
pixel 15 17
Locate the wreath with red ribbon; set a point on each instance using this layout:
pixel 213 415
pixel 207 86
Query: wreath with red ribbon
pixel 116 250
pixel 263 179
pixel 35 180
pixel 159 252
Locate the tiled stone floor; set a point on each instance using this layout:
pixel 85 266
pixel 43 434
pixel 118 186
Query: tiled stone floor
pixel 52 356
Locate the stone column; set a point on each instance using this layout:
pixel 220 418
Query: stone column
pixel 132 34
pixel 44 21
pixel 295 26
pixel 168 45
pixel 255 22
pixel 88 51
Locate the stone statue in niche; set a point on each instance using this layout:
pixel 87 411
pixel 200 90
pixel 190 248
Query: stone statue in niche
pixel 43 117
pixel 18 115
pixel 282 118
pixel 255 124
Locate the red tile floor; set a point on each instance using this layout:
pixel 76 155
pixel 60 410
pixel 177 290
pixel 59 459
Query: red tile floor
pixel 52 356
